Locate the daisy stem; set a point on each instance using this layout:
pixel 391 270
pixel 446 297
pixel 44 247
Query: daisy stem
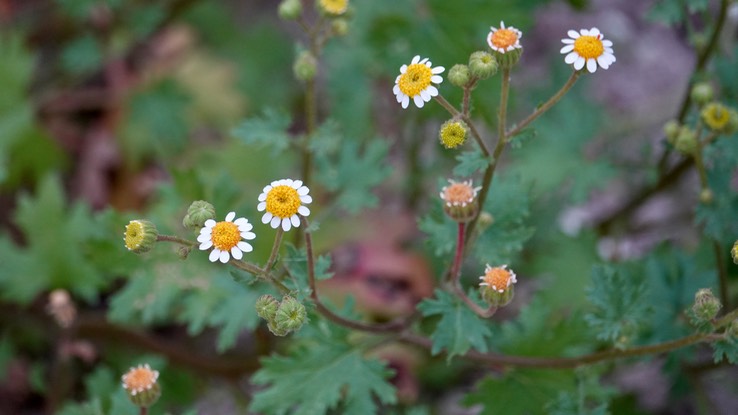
pixel 481 312
pixel 175 239
pixel 246 266
pixel 275 250
pixel 456 267
pixel 447 105
pixel 144 410
pixel 476 135
pixel 546 105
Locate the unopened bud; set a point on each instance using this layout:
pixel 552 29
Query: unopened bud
pixel 671 130
pixel 497 287
pixel 306 66
pixel 291 314
pixel 458 75
pixel 686 141
pixel 706 305
pixel 340 26
pixel 266 307
pixel 706 196
pixel 140 236
pixel 290 9
pixel 460 201
pixel 702 93
pixel 482 65
pixel 198 212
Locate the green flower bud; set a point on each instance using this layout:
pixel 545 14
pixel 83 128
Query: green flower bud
pixel 671 130
pixel 706 196
pixel 183 252
pixel 276 330
pixel 290 9
pixel 482 65
pixel 266 307
pixel 719 118
pixel 706 305
pixel 686 141
pixel 306 66
pixel 497 287
pixel 140 236
pixel 141 386
pixel 453 133
pixel 734 252
pixel 340 26
pixel 458 75
pixel 291 315
pixel 701 93
pixel 198 212
pixel 460 201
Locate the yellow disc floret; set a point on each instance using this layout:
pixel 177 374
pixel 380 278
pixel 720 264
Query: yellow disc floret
pixel 334 6
pixel 225 235
pixel 458 193
pixel 499 278
pixel 716 116
pixel 503 38
pixel 283 201
pixel 139 379
pixel 453 134
pixel 134 235
pixel 589 47
pixel 416 78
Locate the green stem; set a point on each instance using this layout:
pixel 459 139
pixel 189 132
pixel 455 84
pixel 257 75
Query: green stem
pixel 144 410
pixel 447 105
pixel 175 239
pixel 547 105
pixel 476 135
pixel 456 267
pixel 275 250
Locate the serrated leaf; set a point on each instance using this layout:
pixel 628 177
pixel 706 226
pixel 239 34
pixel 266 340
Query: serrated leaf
pixel 620 304
pixel 317 379
pixel 266 130
pixel 327 138
pixel 459 328
pixel 470 162
pixel 440 229
pixel 295 260
pixel 522 137
pixel 354 172
pixel 725 350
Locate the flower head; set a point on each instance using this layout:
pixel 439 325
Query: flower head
pixel 504 39
pixel 333 7
pixel 283 201
pixel 140 236
pixel 588 47
pixel 416 81
pixel 453 133
pixel 225 238
pixel 140 383
pixel 719 118
pixel 460 200
pixel 498 278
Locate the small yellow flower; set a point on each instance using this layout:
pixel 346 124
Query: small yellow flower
pixel 140 236
pixel 588 47
pixel 499 278
pixel 225 238
pixel 717 117
pixel 453 133
pixel 283 200
pixel 504 39
pixel 416 81
pixel 334 7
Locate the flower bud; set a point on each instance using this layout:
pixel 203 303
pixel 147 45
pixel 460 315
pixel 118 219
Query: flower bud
pixel 340 26
pixel 671 130
pixel 198 212
pixel 734 252
pixel 686 141
pixel 505 45
pixel 460 200
pixel 482 65
pixel 458 75
pixel 701 93
pixel 497 286
pixel 140 236
pixel 719 118
pixel 266 307
pixel 61 307
pixel 305 67
pixel 141 386
pixel 453 133
pixel 706 305
pixel 706 196
pixel 290 9
pixel 290 316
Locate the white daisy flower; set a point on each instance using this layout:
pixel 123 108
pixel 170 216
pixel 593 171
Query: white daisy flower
pixel 504 39
pixel 588 47
pixel 283 201
pixel 225 238
pixel 416 81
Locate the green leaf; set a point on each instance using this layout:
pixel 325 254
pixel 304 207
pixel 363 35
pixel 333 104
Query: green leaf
pixel 316 379
pixel 620 304
pixel 353 173
pixel 440 229
pixel 725 350
pixel 470 162
pixel 520 391
pixel 522 137
pixel 82 56
pixel 673 11
pixel 266 130
pixel 295 260
pixel 718 217
pixel 327 139
pixel 459 328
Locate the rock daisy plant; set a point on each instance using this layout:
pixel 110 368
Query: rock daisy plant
pixel 283 206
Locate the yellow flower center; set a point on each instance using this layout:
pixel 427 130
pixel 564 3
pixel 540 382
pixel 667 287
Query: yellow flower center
pixel 134 234
pixel 497 277
pixel 458 193
pixel 139 379
pixel 716 116
pixel 503 38
pixel 589 47
pixel 283 201
pixel 334 6
pixel 453 134
pixel 225 235
pixel 416 78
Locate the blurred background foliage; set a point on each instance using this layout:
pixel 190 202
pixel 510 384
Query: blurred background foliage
pixel 112 110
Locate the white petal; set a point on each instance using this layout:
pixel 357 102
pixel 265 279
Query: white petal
pixel 436 79
pixel 262 197
pixel 243 246
pixel 286 225
pixel 224 256
pixel 267 188
pixel 591 65
pixel 403 69
pixel 425 62
pixel 405 101
pixel 205 245
pixel 570 58
pixel 297 184
pixel 579 63
pixel 594 31
pixel 306 199
pixel 603 62
pixel 236 253
pixel 416 59
pixel 584 32
pixel 274 223
pixel 203 238
pixel 230 216
pixel 567 41
pixel 418 101
pixel 573 34
pixel 214 254
pixel 241 222
pixel 209 223
pixel 261 206
pixel 266 218
pixel 400 97
pixel 567 49
pixel 303 191
pixel 304 211
pixel 432 91
pixel 295 220
pixel 607 43
pixel 396 89
pixel 425 95
pixel 248 235
pixel 437 70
